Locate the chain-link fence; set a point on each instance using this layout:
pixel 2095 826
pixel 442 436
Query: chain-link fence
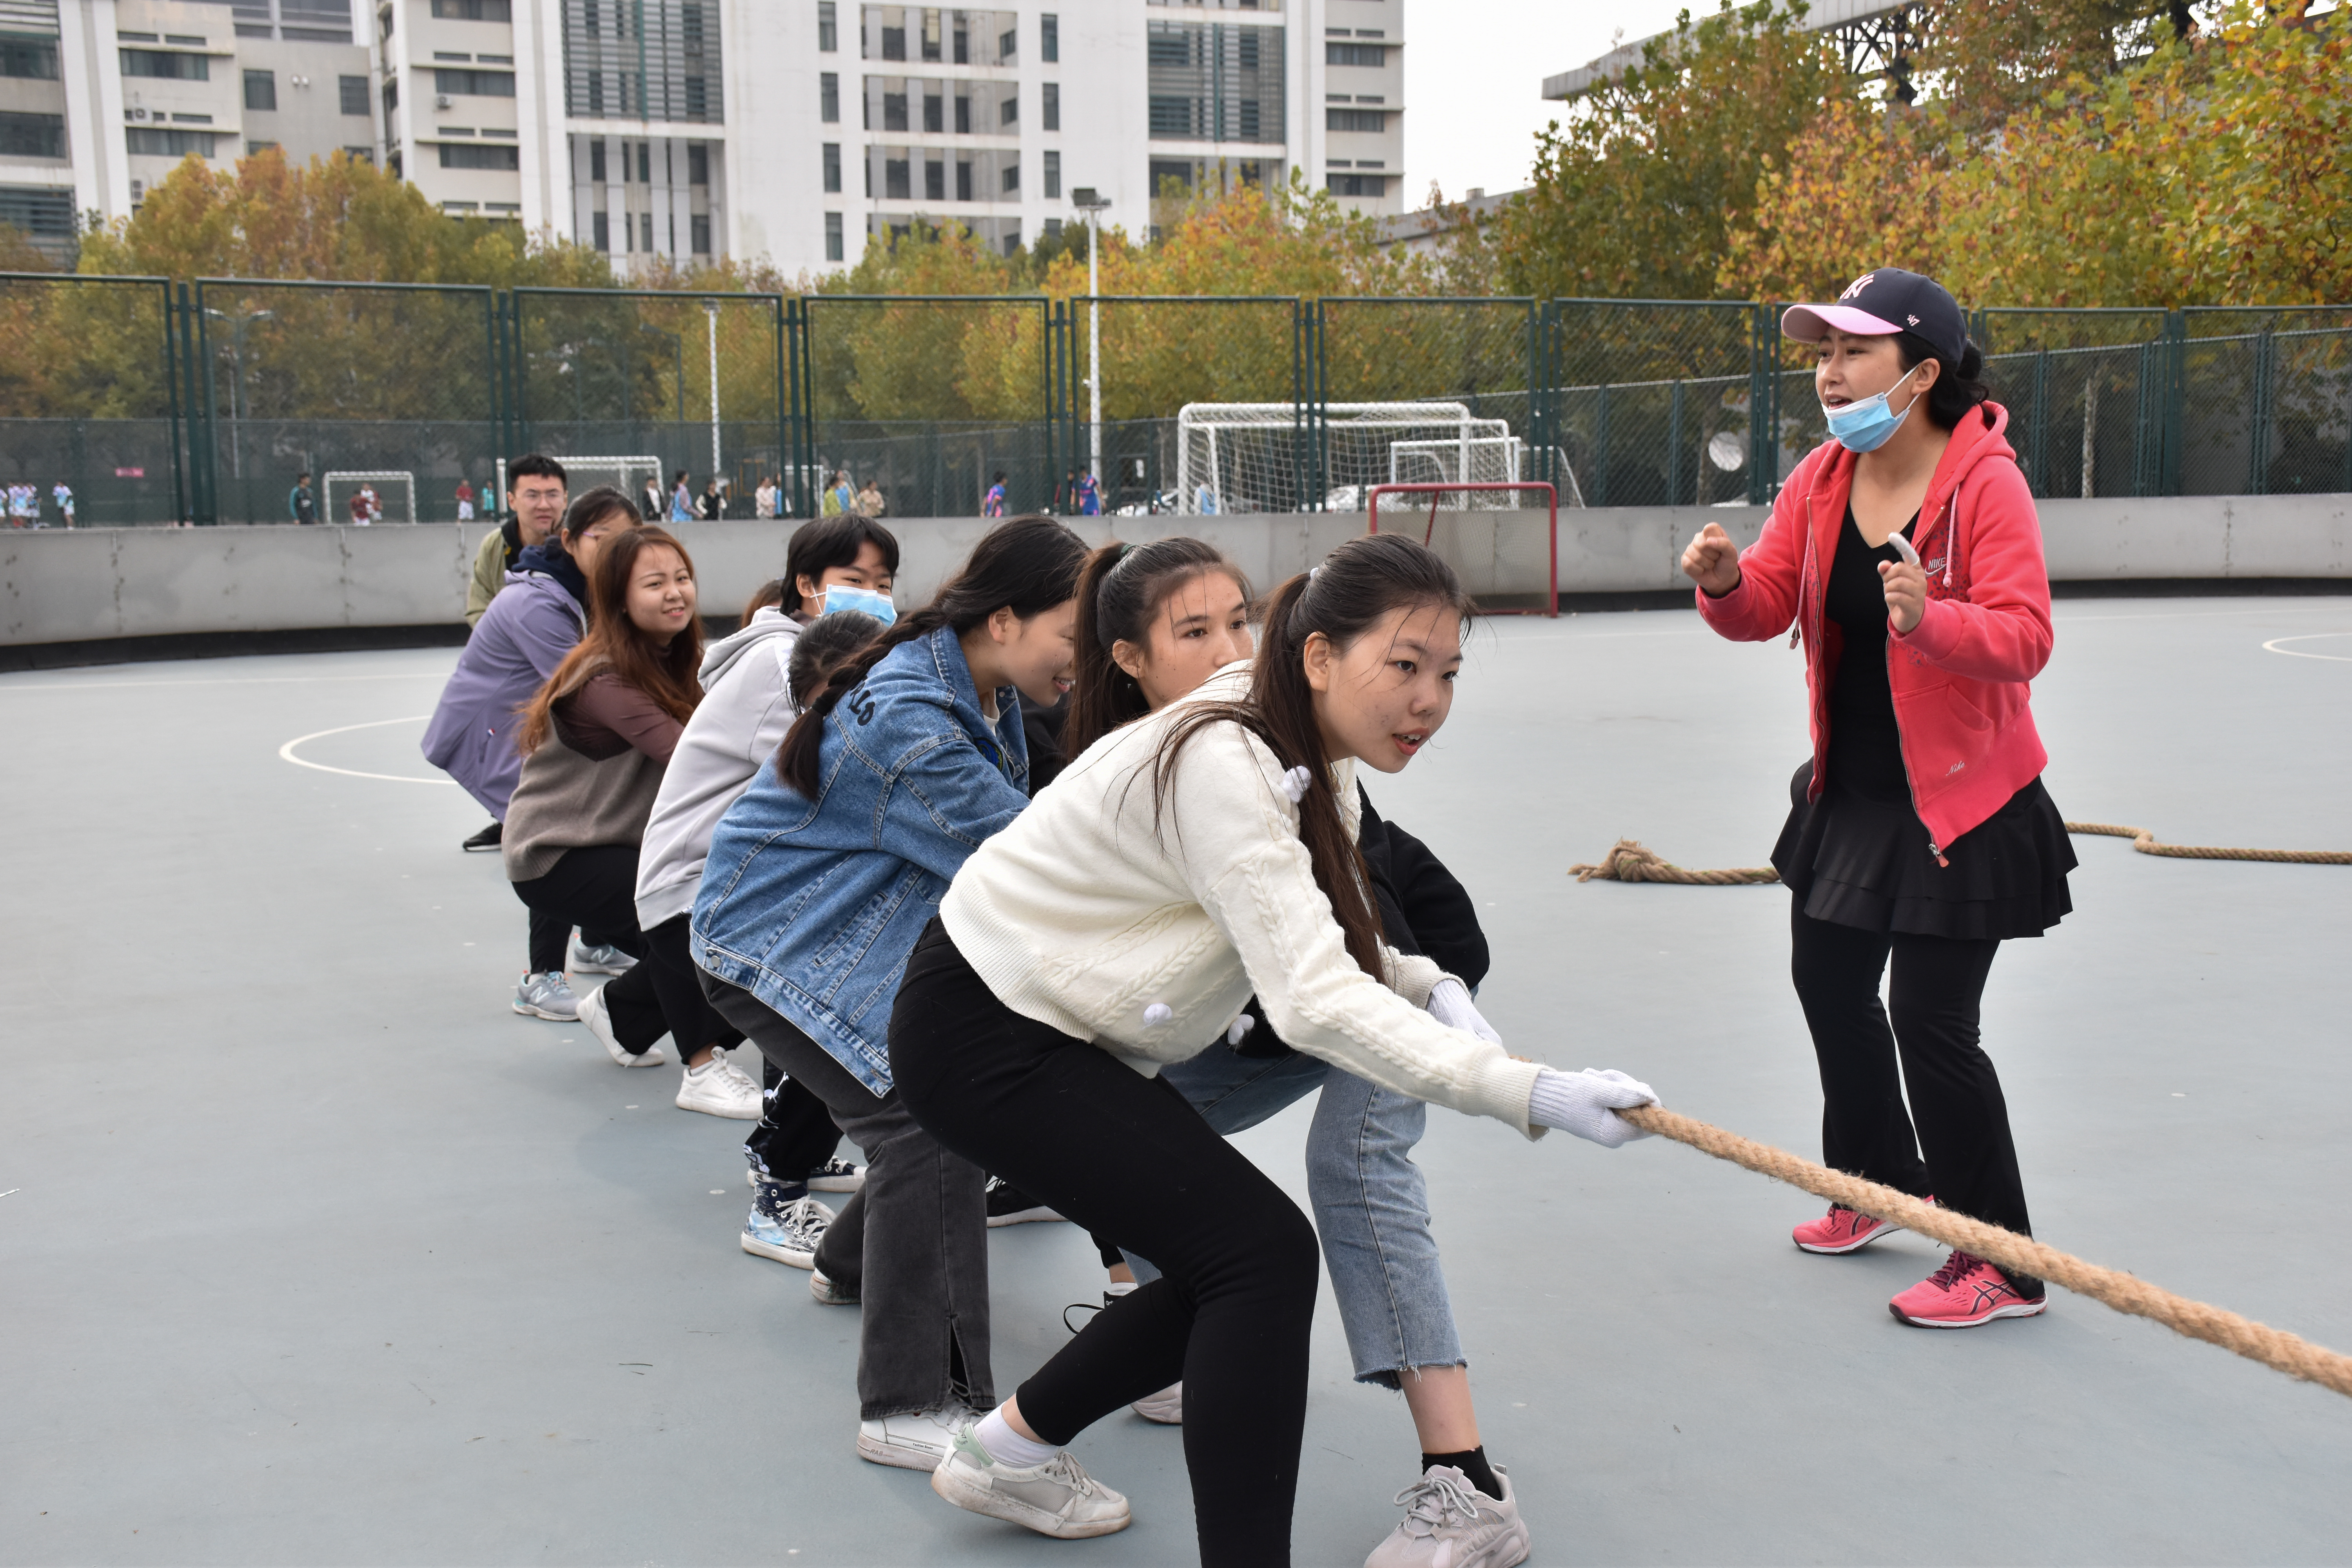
pixel 1425 391
pixel 91 389
pixel 1656 401
pixel 2085 395
pixel 2266 405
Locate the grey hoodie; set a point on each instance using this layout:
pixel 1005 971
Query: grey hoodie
pixel 747 706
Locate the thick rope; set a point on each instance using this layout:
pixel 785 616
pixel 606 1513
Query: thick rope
pixel 2296 1357
pixel 1628 861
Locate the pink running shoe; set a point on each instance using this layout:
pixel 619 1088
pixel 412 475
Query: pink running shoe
pixel 1841 1230
pixel 1966 1291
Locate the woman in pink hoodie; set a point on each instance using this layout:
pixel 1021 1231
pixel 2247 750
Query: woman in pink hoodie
pixel 1906 554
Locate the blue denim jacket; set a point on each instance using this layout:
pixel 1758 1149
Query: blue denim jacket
pixel 812 906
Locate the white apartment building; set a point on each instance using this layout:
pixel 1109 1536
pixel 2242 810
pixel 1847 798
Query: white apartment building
pixel 691 128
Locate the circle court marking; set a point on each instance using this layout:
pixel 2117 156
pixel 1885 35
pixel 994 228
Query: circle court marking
pixel 2272 646
pixel 287 752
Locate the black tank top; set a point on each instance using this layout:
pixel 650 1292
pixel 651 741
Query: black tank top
pixel 1865 752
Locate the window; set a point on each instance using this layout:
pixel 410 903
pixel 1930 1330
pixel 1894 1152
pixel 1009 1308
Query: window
pixel 1213 81
pixel 474 10
pixel 1013 176
pixel 828 32
pixel 600 230
pixel 596 164
pixel 252 148
pixel 1356 184
pixel 894 111
pixel 1049 37
pixel 935 181
pixel 23 57
pixel 360 155
pixel 828 98
pixel 1008 46
pixel 1012 238
pixel 383 18
pixel 1053 229
pixel 353 92
pixel 475 84
pixel 832 168
pixel 964 182
pixel 645 231
pixel 930 35
pixel 934 112
pixel 1053 175
pixel 699 233
pixel 894 43
pixel 261 90
pixel 165 65
pixel 153 144
pixel 698 166
pixel 646 171
pixel 46 217
pixel 963 117
pixel 1354 120
pixel 1052 106
pixel 962 42
pixel 1009 111
pixel 391 96
pixel 39 136
pixel 1169 45
pixel 1371 55
pixel 897 184
pixel 1163 170
pixel 456 157
pixel 833 247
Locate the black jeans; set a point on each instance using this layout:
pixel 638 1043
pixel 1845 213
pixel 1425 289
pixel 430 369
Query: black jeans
pixel 551 937
pixel 1955 1095
pixel 915 1236
pixel 1124 1155
pixel 597 888
pixel 795 1134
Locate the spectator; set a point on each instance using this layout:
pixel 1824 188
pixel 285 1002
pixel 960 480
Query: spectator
pixel 537 488
pixel 763 499
pixel 681 499
pixel 869 499
pixel 993 504
pixel 465 501
pixel 300 503
pixel 63 495
pixel 714 502
pixel 1089 494
pixel 650 505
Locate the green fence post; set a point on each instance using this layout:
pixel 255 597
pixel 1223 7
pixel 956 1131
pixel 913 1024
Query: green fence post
pixel 178 429
pixel 1674 443
pixel 205 443
pixel 2260 418
pixel 2176 373
pixel 1758 411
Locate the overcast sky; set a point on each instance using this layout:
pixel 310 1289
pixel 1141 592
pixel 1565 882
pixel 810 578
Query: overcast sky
pixel 1473 80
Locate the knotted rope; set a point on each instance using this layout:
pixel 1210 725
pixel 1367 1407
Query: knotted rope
pixel 2295 1356
pixel 1628 861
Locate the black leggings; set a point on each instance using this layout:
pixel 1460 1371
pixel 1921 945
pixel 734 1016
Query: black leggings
pixel 1123 1154
pixel 1956 1099
pixel 596 888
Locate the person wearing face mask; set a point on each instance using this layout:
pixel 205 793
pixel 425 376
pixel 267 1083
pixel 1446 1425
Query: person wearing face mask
pixel 820 878
pixel 1907 555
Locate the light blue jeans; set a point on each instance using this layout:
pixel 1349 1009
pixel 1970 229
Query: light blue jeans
pixel 1371 1206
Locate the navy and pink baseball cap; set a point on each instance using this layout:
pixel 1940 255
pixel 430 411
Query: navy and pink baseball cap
pixel 1885 301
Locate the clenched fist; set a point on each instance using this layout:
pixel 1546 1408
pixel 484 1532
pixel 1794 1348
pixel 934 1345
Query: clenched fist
pixel 1713 561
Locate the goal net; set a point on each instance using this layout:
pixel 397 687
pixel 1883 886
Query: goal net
pixel 1467 459
pixel 1263 457
pixel 390 497
pixel 626 475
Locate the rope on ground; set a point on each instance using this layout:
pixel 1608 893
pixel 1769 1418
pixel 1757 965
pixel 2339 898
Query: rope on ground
pixel 1628 861
pixel 2295 1356
pixel 2145 842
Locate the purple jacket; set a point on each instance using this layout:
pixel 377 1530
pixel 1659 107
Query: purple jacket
pixel 534 620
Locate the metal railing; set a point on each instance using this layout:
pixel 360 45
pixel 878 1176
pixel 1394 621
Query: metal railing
pixel 151 401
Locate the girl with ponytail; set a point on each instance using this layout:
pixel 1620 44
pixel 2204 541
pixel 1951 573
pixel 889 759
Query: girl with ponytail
pixel 819 879
pixel 1193 857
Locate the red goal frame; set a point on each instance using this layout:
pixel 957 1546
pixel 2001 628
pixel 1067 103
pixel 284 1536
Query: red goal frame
pixel 1551 500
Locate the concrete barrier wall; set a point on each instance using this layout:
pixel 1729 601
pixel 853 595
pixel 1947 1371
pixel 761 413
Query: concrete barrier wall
pixel 57 586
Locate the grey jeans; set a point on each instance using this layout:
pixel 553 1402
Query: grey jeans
pixel 923 1344
pixel 1370 1203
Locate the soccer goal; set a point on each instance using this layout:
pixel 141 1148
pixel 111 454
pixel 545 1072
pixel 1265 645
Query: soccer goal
pixel 394 493
pixel 1264 457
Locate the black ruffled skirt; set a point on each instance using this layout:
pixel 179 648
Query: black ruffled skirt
pixel 1853 860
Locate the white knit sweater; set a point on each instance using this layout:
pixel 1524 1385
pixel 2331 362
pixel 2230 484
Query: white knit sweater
pixel 1146 937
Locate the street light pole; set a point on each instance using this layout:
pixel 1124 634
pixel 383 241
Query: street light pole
pixel 1087 201
pixel 710 314
pixel 236 325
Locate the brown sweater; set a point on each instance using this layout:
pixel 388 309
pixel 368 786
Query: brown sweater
pixel 593 780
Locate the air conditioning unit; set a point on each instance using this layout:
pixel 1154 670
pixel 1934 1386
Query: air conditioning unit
pixel 138 114
pixel 138 190
pixel 443 100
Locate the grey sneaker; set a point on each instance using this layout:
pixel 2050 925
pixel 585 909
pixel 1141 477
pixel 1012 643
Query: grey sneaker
pixel 1448 1522
pixel 586 959
pixel 590 1010
pixel 825 1293
pixel 1057 1497
pixel 916 1442
pixel 788 1232
pixel 546 996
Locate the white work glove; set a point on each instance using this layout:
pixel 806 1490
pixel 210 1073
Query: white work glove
pixel 1585 1103
pixel 1449 1004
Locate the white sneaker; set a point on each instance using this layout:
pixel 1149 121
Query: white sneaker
pixel 599 1019
pixel 1167 1407
pixel 719 1088
pixel 1057 1497
pixel 1449 1523
pixel 916 1442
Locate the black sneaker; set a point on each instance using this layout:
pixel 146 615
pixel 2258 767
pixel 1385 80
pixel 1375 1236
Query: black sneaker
pixel 1008 1204
pixel 489 837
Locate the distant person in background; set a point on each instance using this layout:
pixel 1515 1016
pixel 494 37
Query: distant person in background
pixel 1089 494
pixel 20 506
pixel 301 503
pixel 650 504
pixel 465 501
pixel 714 502
pixel 63 495
pixel 362 507
pixel 681 499
pixel 869 500
pixel 763 499
pixel 838 495
pixel 537 488
pixel 993 504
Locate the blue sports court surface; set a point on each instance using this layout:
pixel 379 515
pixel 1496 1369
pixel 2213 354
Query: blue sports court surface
pixel 314 1252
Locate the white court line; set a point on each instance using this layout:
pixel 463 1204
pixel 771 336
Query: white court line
pixel 287 752
pixel 2272 646
pixel 225 680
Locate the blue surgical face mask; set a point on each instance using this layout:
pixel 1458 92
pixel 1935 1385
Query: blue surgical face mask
pixel 842 596
pixel 1865 424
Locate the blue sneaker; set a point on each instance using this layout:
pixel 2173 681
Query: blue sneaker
pixel 785 1227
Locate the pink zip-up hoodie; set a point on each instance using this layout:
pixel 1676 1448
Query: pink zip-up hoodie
pixel 1961 679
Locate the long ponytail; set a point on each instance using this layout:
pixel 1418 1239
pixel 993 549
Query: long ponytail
pixel 1344 597
pixel 1121 590
pixel 1026 564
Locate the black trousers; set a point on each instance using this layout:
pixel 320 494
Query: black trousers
pixel 1933 997
pixel 1124 1155
pixel 597 888
pixel 795 1134
pixel 551 937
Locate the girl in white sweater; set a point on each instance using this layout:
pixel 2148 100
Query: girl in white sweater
pixel 1181 864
